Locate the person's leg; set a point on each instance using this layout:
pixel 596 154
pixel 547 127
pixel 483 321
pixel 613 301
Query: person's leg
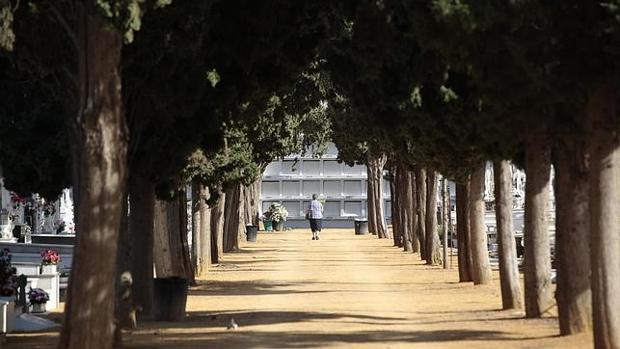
pixel 319 226
pixel 313 228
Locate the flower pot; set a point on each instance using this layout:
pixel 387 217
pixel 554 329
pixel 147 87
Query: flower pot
pixel 278 226
pixel 38 307
pixel 7 314
pixel 251 232
pixel 49 269
pixel 361 226
pixel 268 225
pixel 169 298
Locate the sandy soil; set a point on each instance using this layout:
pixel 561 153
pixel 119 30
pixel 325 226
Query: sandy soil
pixel 344 291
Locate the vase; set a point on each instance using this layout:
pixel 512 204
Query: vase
pixel 48 269
pixel 7 316
pixel 38 307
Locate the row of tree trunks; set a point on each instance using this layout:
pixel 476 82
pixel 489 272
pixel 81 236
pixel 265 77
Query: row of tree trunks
pixel 481 269
pixel 376 217
pixel 99 151
pixel 463 232
pixel 538 297
pixel 217 229
pixel 604 151
pixel 433 253
pixel 508 269
pixel 420 179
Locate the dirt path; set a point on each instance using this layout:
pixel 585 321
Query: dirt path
pixel 345 291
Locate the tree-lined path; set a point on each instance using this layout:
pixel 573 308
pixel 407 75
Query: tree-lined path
pixel 342 291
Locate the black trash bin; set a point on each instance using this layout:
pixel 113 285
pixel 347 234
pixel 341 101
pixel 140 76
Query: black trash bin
pixel 361 226
pixel 251 232
pixel 169 298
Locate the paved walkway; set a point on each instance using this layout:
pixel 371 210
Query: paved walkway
pixel 344 291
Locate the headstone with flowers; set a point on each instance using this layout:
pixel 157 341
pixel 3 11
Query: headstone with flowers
pixel 8 288
pixel 49 261
pixel 38 298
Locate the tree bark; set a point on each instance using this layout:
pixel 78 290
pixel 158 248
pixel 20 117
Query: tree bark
pixel 412 210
pixel 404 203
pixel 141 218
pixel 170 253
pixel 196 224
pixel 538 297
pixel 125 310
pixel 204 253
pixel 604 150
pixel 376 218
pixel 217 229
pixel 462 227
pixel 396 208
pixel 481 269
pixel 420 178
pixel 233 218
pixel 445 214
pixel 508 269
pixel 201 230
pixel 433 254
pixel 572 253
pixel 100 146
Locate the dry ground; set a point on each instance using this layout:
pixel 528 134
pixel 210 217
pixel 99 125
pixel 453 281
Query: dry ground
pixel 344 291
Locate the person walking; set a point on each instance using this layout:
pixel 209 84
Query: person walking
pixel 315 215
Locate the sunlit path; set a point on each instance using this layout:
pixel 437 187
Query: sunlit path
pixel 342 291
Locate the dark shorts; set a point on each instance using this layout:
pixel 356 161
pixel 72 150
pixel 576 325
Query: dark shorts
pixel 315 224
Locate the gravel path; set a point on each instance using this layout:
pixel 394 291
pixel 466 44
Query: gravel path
pixel 343 291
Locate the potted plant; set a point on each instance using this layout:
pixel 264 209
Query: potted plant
pixel 277 214
pixel 49 261
pixel 8 288
pixel 38 297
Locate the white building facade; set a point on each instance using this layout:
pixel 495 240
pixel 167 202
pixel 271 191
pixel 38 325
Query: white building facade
pixel 292 180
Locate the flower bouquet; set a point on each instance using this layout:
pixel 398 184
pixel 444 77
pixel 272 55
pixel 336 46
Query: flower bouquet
pixel 49 260
pixel 277 214
pixel 38 297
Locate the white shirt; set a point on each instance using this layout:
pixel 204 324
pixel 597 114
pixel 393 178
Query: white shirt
pixel 316 209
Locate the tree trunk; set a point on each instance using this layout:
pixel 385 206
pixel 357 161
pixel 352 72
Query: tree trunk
pixel 463 232
pixel 100 146
pixel 204 254
pixel 411 208
pixel 481 269
pixel 396 208
pixel 604 150
pixel 141 218
pixel 376 219
pixel 572 253
pixel 196 232
pixel 405 213
pixel 538 297
pixel 508 269
pixel 433 254
pixel 420 178
pixel 445 214
pixel 201 230
pixel 233 218
pixel 217 229
pixel 170 254
pixel 252 201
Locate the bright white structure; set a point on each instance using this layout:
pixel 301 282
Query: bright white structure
pixel 293 179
